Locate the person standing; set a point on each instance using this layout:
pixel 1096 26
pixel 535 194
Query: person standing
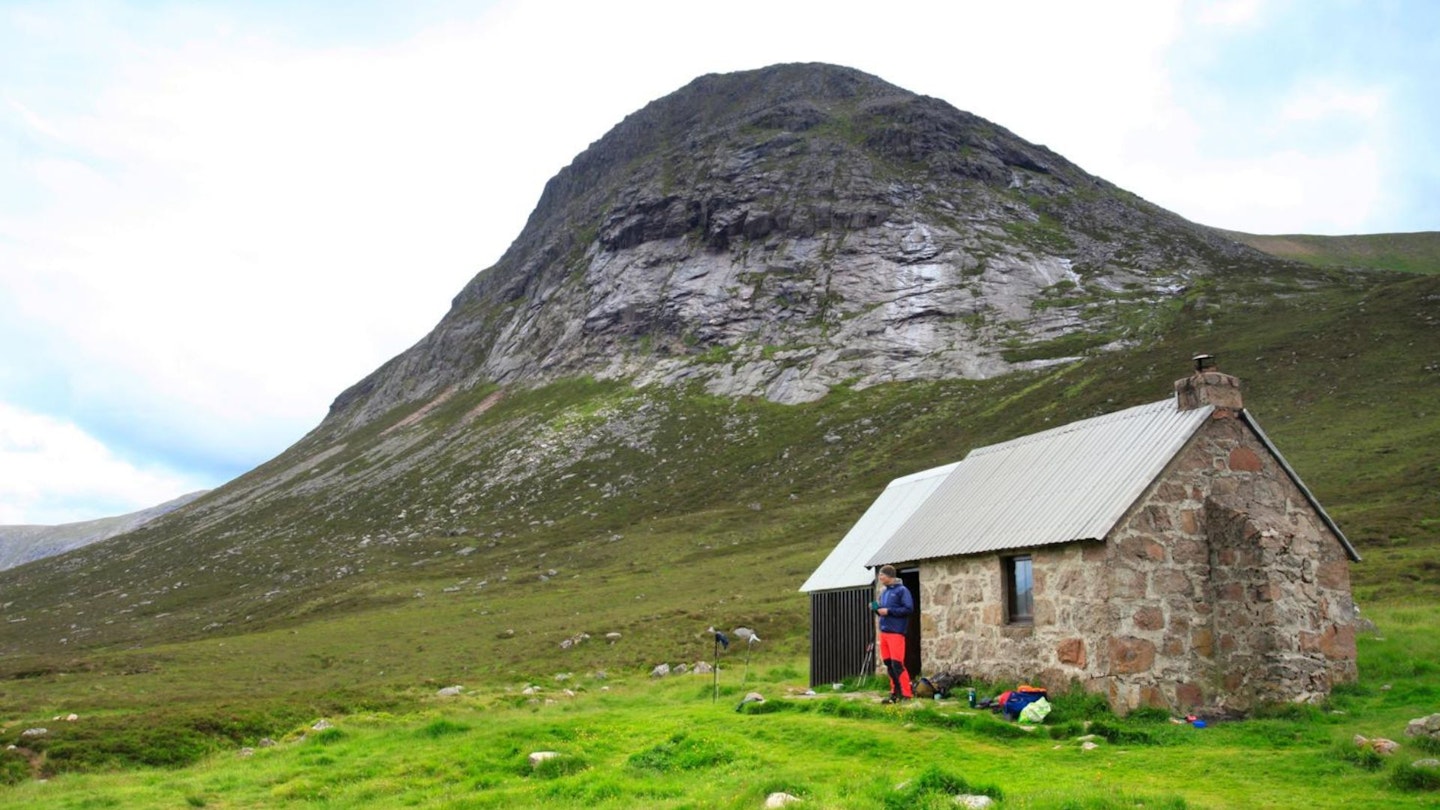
pixel 894 608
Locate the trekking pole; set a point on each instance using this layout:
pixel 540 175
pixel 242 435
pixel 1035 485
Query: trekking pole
pixel 865 662
pixel 720 641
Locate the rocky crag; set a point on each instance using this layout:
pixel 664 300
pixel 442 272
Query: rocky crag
pixel 780 231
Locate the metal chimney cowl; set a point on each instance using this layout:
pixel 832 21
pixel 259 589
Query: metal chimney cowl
pixel 1208 386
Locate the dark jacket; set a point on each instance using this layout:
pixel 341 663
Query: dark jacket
pixel 900 605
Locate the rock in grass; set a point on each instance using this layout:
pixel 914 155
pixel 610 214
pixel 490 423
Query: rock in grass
pixel 1384 746
pixel 537 757
pixel 450 691
pixel 660 671
pixel 974 800
pixel 35 732
pixel 780 799
pixel 1424 727
pixel 1433 764
pixel 322 725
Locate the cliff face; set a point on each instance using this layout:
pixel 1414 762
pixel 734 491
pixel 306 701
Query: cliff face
pixel 779 231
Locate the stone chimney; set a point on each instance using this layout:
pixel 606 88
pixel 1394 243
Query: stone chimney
pixel 1208 386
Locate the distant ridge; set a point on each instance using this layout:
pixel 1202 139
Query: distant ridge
pixel 23 544
pixel 1417 252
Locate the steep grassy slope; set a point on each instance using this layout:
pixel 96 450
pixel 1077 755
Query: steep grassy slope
pixel 1405 252
pixel 595 508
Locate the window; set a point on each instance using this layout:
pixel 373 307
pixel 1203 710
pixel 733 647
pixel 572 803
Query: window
pixel 1019 590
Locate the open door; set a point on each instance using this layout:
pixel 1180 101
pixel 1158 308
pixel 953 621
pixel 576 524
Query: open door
pixel 911 578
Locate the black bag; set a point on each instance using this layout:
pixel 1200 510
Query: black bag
pixel 938 685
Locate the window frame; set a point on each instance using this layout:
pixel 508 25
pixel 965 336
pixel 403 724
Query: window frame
pixel 1013 594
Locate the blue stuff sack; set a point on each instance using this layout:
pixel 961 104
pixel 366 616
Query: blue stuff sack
pixel 1017 701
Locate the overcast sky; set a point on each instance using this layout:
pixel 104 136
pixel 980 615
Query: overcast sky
pixel 215 216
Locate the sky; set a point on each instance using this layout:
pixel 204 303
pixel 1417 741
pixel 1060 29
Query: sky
pixel 216 216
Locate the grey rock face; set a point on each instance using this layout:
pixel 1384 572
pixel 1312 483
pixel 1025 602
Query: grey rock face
pixel 779 232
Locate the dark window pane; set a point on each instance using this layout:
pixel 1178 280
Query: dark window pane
pixel 1019 588
pixel 1024 587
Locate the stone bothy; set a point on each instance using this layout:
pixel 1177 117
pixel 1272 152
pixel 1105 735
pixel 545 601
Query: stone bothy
pixel 1166 555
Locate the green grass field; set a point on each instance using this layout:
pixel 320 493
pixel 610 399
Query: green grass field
pixel 357 602
pixel 626 740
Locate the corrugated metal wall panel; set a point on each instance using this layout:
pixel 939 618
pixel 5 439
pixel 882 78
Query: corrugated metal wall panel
pixel 841 626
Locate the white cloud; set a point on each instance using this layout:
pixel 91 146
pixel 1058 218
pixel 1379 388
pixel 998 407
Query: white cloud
pixel 53 472
pixel 1228 13
pixel 1337 191
pixel 1320 101
pixel 217 226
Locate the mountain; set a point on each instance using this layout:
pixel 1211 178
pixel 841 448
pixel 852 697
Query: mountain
pixel 726 325
pixel 23 544
pixel 780 231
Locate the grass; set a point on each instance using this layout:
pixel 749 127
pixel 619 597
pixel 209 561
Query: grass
pixel 1404 252
pixel 462 542
pixel 629 741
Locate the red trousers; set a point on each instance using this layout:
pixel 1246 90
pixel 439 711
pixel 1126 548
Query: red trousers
pixel 892 652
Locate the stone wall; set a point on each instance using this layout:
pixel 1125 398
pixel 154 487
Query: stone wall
pixel 1221 588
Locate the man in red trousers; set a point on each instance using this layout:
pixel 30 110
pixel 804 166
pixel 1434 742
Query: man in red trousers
pixel 894 608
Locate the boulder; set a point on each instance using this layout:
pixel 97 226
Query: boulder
pixel 974 800
pixel 537 757
pixel 1424 727
pixel 660 671
pixel 450 691
pixel 35 732
pixel 781 799
pixel 1384 746
pixel 322 725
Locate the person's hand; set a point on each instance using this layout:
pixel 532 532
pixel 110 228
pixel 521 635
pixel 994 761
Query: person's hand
pixel 883 611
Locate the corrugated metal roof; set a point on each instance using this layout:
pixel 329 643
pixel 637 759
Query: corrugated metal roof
pixel 845 567
pixel 1072 482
